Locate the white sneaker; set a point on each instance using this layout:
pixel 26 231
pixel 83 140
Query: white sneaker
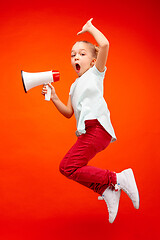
pixel 111 198
pixel 126 182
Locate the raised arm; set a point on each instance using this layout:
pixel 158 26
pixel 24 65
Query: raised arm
pixel 102 42
pixel 65 110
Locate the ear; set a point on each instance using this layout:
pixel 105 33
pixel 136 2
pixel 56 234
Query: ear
pixel 93 62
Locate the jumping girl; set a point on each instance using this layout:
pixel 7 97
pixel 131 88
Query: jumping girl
pixel 94 129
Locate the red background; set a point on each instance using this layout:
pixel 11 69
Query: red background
pixel 36 201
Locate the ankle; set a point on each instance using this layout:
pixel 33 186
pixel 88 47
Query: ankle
pixel 113 180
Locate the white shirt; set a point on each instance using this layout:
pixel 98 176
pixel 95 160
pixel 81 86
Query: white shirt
pixel 88 101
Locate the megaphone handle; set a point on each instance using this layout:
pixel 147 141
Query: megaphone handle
pixel 48 94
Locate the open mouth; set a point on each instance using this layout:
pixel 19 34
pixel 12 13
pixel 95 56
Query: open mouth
pixel 77 67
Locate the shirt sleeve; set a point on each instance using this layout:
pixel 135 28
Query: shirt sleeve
pixel 98 73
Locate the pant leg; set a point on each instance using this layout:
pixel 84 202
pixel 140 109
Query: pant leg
pixel 74 164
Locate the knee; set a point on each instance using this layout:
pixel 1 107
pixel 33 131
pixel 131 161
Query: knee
pixel 65 169
pixel 62 168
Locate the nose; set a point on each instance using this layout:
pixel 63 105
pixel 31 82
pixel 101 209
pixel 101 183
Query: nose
pixel 76 57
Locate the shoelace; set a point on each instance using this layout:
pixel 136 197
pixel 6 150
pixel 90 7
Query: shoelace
pixel 100 198
pixel 117 187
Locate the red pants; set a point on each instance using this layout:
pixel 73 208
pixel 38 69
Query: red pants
pixel 74 164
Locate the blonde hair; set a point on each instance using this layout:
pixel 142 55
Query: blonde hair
pixel 94 48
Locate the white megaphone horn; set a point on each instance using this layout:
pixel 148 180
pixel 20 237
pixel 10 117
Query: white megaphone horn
pixel 31 80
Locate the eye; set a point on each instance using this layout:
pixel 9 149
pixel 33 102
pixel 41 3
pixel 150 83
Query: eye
pixel 72 55
pixel 83 54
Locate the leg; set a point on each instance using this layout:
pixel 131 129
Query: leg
pixel 74 164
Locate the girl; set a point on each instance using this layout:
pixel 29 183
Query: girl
pixel 94 128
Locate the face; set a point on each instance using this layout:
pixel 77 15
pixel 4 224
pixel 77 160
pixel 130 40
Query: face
pixel 81 58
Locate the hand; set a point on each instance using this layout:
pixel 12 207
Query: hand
pixel 86 27
pixel 53 92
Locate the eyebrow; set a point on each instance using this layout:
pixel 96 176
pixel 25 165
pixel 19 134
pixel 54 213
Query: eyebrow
pixel 79 49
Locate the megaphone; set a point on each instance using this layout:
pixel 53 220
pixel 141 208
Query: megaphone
pixel 31 80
